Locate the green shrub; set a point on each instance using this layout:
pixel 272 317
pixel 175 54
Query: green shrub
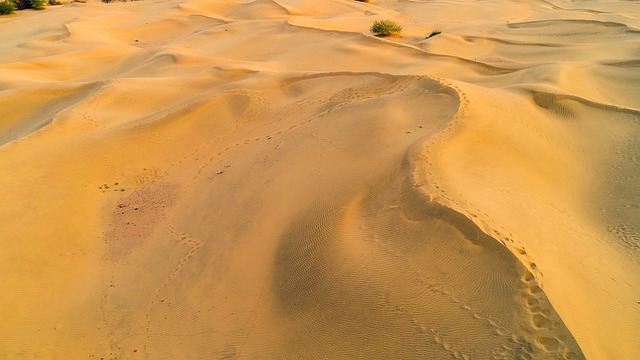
pixel 385 28
pixel 434 33
pixel 7 7
pixel 29 4
pixel 36 4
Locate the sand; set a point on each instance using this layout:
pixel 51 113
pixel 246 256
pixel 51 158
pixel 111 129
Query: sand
pixel 266 179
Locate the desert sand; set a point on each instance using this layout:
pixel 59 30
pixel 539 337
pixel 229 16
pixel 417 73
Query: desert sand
pixel 217 179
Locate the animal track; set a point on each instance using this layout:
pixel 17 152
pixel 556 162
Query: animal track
pixel 546 325
pixel 193 245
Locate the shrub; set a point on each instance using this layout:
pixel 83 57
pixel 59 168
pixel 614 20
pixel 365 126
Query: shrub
pixel 7 7
pixel 434 33
pixel 29 4
pixel 36 4
pixel 385 28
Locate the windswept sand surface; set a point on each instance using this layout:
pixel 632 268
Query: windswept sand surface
pixel 217 179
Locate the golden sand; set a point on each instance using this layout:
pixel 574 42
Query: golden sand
pixel 266 180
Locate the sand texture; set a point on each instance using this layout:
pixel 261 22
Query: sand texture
pixel 217 179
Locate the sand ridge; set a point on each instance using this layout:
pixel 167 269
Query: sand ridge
pixel 266 179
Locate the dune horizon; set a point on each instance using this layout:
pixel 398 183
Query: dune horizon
pixel 191 179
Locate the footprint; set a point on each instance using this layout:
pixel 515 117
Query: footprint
pixel 549 344
pixel 541 322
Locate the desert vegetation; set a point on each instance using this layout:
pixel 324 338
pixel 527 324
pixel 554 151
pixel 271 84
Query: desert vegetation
pixel 9 6
pixel 385 28
pixel 434 33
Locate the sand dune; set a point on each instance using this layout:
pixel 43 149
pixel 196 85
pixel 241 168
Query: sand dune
pixel 266 179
